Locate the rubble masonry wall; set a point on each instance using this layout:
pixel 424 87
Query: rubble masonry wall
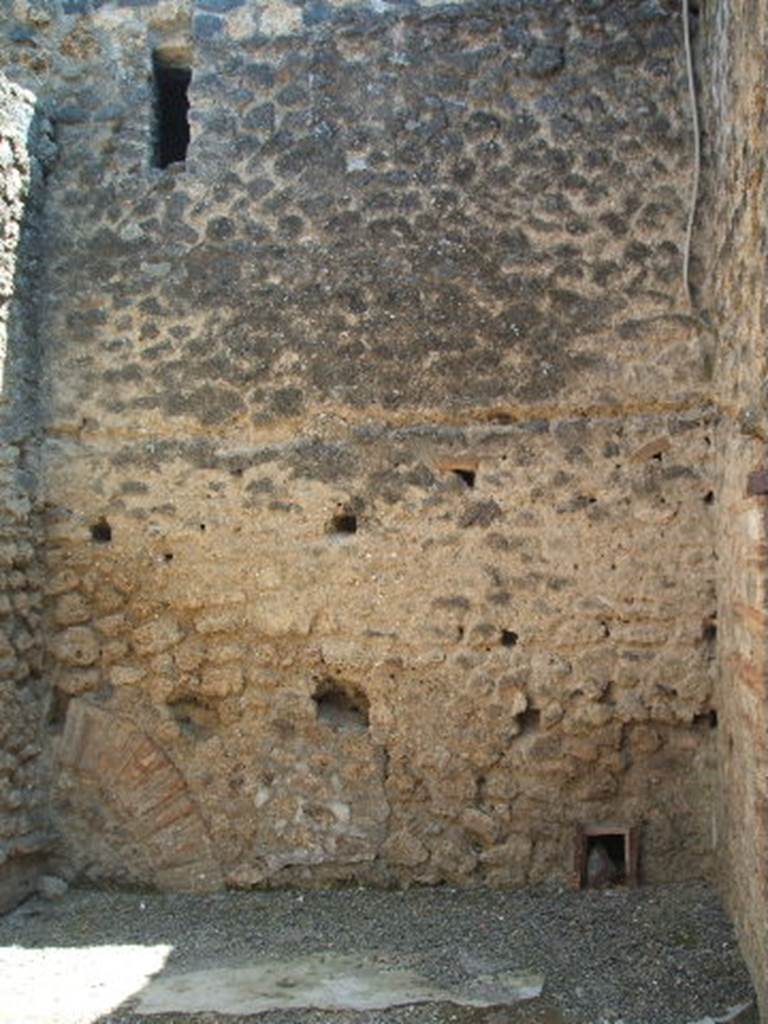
pixel 24 836
pixel 380 455
pixel 734 303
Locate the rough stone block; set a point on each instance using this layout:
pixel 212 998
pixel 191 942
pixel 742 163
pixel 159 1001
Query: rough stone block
pixel 71 610
pixel 78 647
pixel 156 636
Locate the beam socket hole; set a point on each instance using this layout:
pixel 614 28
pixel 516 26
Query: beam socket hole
pixel 466 475
pixel 101 531
pixel 343 523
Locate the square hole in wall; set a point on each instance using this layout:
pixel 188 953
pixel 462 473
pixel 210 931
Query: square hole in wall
pixel 606 855
pixel 464 470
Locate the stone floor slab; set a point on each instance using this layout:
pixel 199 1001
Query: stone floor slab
pixel 323 982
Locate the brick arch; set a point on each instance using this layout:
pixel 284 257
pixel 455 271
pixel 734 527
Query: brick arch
pixel 111 761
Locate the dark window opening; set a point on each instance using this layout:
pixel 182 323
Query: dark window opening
pixel 101 531
pixel 709 498
pixel 341 706
pixel 171 131
pixel 508 638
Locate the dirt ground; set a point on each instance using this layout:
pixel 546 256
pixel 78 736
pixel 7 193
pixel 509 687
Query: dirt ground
pixel 652 955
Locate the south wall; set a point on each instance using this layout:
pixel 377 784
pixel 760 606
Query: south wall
pixel 379 459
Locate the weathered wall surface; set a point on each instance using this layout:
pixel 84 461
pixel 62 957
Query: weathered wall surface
pixel 736 214
pixel 521 647
pixel 379 464
pixel 23 697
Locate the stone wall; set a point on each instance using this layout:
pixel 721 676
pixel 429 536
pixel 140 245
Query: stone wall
pixel 24 149
pixel 379 460
pixel 516 651
pixel 734 300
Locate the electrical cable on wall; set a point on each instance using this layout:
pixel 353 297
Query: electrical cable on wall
pixel 696 151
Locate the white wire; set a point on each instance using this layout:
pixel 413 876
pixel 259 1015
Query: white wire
pixel 696 151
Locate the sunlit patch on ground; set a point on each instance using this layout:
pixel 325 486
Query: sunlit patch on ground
pixel 326 982
pixel 72 986
pixel 643 955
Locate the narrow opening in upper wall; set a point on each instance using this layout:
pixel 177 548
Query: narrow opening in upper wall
pixel 171 75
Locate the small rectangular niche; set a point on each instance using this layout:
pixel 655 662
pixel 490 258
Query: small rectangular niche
pixel 171 75
pixel 606 855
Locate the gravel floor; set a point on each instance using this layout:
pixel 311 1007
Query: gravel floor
pixel 653 955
